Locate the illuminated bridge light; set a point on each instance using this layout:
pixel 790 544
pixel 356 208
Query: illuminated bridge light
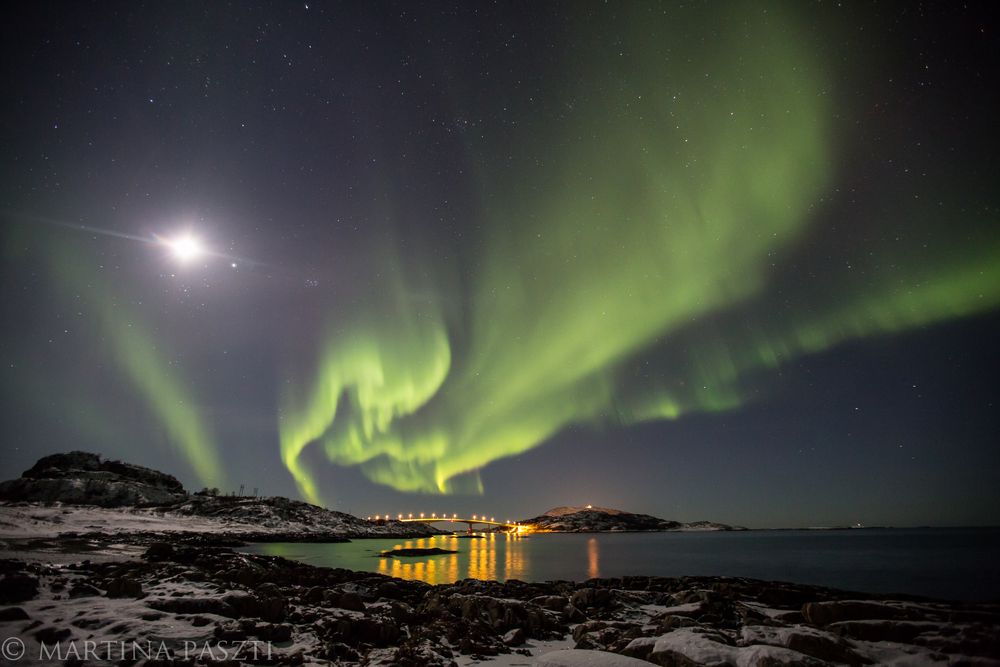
pixel 411 515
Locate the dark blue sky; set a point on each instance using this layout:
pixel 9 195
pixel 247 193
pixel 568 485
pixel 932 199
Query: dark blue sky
pixel 300 140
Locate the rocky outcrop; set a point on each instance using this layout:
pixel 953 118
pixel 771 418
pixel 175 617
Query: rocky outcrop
pixel 83 478
pixel 591 519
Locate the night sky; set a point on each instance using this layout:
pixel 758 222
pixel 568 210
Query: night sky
pixel 706 261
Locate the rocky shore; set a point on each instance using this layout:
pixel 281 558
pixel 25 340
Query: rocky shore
pixel 173 593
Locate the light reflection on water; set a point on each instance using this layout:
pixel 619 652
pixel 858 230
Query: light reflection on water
pixel 485 556
pixel 958 563
pixel 490 556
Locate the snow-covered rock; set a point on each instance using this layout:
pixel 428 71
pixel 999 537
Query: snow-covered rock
pixel 85 479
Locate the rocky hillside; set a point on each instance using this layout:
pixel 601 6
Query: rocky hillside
pixel 83 478
pixel 591 519
pixel 80 493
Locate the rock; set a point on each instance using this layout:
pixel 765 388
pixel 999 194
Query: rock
pixel 551 602
pixel 230 631
pixel 669 623
pixel 514 637
pixel 159 551
pixel 432 551
pixel 50 635
pixel 18 587
pixel 314 595
pixel 640 647
pixel 810 641
pixel 901 632
pixel 194 605
pixel 269 590
pixel 350 601
pixel 374 631
pixel 824 613
pixel 82 590
pixel 242 603
pixel 599 639
pixel 13 614
pixel 273 632
pixel 586 627
pixel 124 587
pixel 582 598
pixel 573 615
pixel 689 647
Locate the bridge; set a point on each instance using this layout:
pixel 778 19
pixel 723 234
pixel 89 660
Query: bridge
pixel 476 520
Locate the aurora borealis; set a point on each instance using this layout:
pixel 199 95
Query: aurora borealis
pixel 481 239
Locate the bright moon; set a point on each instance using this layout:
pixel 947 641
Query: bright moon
pixel 185 248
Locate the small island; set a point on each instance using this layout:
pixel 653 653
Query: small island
pixel 432 551
pixel 590 519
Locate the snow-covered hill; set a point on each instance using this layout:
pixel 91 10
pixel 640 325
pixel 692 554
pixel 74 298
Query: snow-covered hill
pixel 591 519
pixel 80 493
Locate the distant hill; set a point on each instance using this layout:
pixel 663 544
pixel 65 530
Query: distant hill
pixel 590 519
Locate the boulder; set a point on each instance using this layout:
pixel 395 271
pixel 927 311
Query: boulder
pixel 13 614
pixel 124 587
pixel 18 587
pixel 514 637
pixel 824 613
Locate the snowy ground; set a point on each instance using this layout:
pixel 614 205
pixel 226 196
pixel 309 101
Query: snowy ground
pixel 691 621
pixel 251 517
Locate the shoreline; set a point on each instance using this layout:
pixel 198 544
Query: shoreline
pixel 182 590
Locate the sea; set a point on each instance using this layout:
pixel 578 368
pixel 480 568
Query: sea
pixel 947 563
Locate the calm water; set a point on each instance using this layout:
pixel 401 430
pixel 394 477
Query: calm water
pixel 953 563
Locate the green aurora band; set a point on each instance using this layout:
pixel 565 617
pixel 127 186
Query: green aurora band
pixel 653 227
pixel 141 362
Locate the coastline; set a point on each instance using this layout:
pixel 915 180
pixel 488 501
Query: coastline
pixel 181 588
